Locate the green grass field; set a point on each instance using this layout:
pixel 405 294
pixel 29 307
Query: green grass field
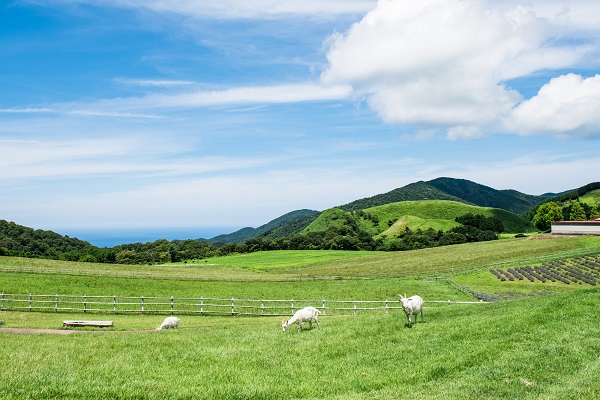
pixel 537 347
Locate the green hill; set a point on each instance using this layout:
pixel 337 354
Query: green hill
pixel 392 218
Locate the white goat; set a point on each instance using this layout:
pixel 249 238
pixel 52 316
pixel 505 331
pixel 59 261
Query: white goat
pixel 307 314
pixel 412 305
pixel 169 322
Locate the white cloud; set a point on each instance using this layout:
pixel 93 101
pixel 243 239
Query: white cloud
pixel 230 9
pixel 262 9
pixel 277 94
pixel 153 82
pixel 245 95
pixel 567 105
pixel 442 63
pixel 291 93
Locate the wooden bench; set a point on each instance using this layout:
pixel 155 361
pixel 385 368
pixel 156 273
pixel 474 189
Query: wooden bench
pixel 99 324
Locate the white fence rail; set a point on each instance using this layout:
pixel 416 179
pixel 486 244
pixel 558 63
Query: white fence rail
pixel 191 306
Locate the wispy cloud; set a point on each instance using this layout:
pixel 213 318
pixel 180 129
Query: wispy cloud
pixel 25 110
pixel 153 82
pixel 133 156
pixel 72 109
pixel 256 9
pixel 287 93
pixel 238 96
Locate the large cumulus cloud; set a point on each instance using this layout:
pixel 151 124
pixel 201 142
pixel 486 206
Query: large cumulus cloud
pixel 449 63
pixel 567 105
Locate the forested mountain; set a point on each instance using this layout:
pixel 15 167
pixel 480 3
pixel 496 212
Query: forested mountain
pixel 485 196
pixel 460 190
pixel 415 191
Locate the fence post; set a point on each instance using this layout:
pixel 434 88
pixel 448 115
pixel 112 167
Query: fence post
pixel 56 303
pixel 323 306
pixel 84 303
pixel 355 308
pixel 30 301
pixel 3 300
pixel 232 307
pixel 172 305
pixel 201 305
pixel 142 304
pixel 292 306
pixel 114 304
pixel 386 306
pixel 262 307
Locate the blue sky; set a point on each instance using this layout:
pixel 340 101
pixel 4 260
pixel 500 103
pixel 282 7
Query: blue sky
pixel 155 113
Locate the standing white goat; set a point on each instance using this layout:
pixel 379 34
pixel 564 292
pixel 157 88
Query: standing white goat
pixel 307 314
pixel 169 322
pixel 412 305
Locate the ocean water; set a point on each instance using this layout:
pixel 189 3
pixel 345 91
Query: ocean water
pixel 103 237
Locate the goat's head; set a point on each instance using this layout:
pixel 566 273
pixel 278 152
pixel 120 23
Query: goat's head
pixel 284 325
pixel 404 301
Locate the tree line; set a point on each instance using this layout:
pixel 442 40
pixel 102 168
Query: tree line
pixel 20 241
pixel 566 210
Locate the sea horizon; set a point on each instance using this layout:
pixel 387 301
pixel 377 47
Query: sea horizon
pixel 110 237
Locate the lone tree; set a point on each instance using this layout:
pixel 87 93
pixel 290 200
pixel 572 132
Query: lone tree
pixel 546 214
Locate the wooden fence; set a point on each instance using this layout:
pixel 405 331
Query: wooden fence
pixel 192 306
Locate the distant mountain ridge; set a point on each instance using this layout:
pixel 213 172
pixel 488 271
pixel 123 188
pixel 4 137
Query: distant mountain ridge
pixel 244 234
pixel 460 190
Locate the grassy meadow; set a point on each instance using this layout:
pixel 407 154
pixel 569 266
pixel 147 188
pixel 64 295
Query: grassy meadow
pixel 536 347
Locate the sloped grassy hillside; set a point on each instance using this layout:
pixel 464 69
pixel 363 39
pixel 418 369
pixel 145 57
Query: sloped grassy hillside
pixel 591 198
pixel 392 218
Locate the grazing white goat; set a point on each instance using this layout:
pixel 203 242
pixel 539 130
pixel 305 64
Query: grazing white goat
pixel 307 314
pixel 412 305
pixel 169 322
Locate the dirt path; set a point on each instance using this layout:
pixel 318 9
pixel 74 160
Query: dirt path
pixel 46 331
pixel 58 331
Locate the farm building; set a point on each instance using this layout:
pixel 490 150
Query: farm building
pixel 576 227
